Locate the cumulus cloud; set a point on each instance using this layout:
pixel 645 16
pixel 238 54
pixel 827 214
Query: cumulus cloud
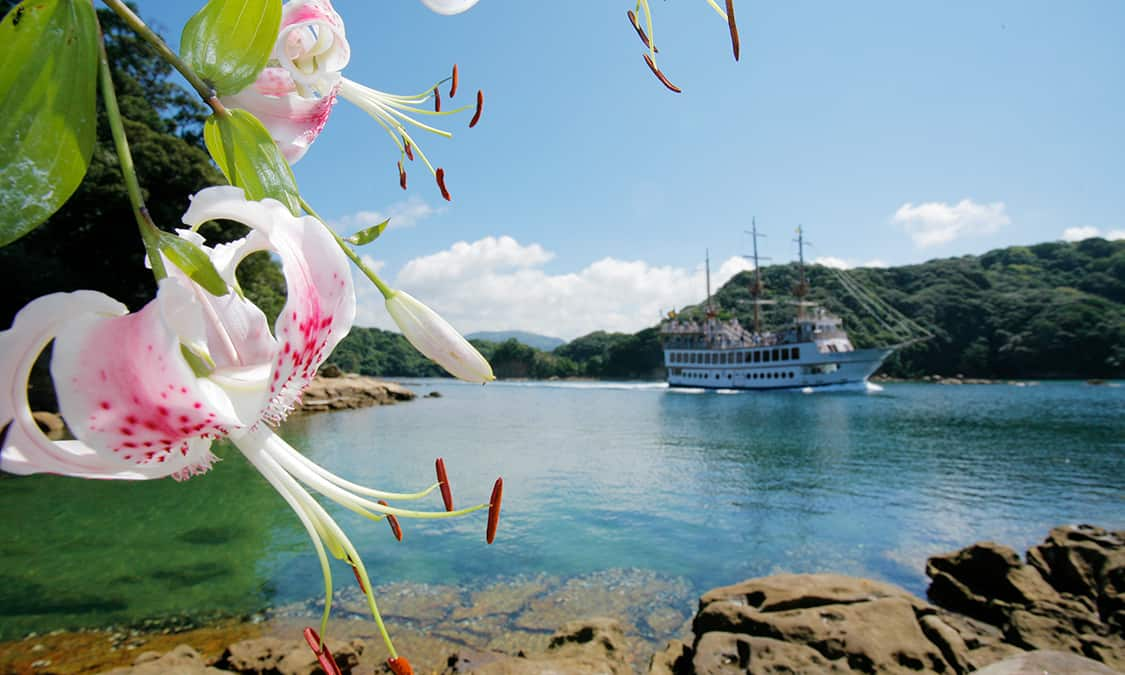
pixel 406 213
pixel 497 283
pixel 842 264
pixel 1087 231
pixel 935 223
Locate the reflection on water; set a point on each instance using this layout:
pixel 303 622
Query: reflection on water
pixel 706 489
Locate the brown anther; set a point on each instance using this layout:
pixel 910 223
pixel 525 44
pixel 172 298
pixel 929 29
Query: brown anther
pixel 396 530
pixel 440 176
pixel 660 76
pixel 400 666
pixel 640 31
pixel 494 510
pixel 401 175
pixel 443 479
pixel 355 571
pixel 408 149
pixel 323 656
pixel 480 108
pixel 437 100
pixel 734 44
pixel 453 84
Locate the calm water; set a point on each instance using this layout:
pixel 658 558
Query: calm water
pixel 709 487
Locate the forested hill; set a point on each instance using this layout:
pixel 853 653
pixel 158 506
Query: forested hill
pixel 1049 310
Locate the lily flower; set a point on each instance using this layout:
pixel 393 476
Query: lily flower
pixel 437 340
pixel 146 393
pixel 646 35
pixel 294 95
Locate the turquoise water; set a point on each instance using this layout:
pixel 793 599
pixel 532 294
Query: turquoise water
pixel 709 487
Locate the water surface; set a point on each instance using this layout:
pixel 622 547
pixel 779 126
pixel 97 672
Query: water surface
pixel 704 488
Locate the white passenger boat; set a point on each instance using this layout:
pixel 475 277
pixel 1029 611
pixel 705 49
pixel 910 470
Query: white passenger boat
pixel 813 351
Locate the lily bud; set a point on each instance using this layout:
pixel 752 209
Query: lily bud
pixel 437 340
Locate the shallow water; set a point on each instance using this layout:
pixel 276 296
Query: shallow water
pixel 701 489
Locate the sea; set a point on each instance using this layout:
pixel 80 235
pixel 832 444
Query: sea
pixel 607 487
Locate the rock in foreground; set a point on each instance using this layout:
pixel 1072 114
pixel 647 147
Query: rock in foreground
pixel 585 646
pixel 349 391
pixel 1067 604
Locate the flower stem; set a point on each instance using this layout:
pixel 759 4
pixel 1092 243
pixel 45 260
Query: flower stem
pixel 206 91
pixel 386 290
pixel 125 159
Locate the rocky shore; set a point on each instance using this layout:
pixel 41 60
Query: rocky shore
pixel 335 390
pixel 1061 609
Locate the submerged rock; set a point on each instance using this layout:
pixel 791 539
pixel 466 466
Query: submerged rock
pixel 585 646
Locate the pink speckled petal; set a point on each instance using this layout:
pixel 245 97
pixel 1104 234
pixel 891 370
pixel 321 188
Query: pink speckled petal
pixel 320 303
pixel 26 450
pixel 126 391
pixel 294 121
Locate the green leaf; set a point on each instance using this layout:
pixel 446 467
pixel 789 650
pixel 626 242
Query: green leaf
pixel 228 42
pixel 250 159
pixel 48 71
pixel 193 261
pixel 368 235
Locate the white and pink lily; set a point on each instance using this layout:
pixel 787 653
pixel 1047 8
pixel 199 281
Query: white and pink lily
pixel 146 393
pixel 294 95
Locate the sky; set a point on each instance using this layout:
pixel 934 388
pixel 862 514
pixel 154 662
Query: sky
pixel 588 195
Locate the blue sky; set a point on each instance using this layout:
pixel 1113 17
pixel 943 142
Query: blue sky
pixel 895 132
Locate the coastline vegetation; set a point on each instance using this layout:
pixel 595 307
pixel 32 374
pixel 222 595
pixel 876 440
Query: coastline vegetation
pixel 1052 310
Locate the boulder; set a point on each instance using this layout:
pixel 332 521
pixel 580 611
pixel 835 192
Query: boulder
pixel 1069 598
pixel 585 646
pixel 797 623
pixel 271 656
pixel 183 660
pixel 346 391
pixel 1043 661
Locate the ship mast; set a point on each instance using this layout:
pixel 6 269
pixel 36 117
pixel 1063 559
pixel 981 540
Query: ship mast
pixel 756 289
pixel 801 290
pixel 710 307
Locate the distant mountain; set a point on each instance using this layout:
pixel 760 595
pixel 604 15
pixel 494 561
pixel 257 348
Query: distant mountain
pixel 541 342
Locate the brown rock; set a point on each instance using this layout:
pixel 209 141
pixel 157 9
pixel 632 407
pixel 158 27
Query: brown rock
pixel 587 646
pixel 347 391
pixel 986 580
pixel 1087 562
pixel 50 424
pixel 183 660
pixel 1042 661
pixel 271 656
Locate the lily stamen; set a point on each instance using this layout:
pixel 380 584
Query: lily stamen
pixel 323 655
pixel 400 666
pixel 440 176
pixel 649 41
pixel 437 100
pixel 453 84
pixel 443 481
pixel 480 108
pixel 494 510
pixel 396 530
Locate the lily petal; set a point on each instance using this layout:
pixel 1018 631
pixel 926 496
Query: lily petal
pixel 437 340
pixel 449 7
pixel 320 303
pixel 311 44
pixel 294 121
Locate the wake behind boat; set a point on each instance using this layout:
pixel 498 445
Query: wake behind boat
pixel 814 351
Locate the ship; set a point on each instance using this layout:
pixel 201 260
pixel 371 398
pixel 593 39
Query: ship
pixel 812 351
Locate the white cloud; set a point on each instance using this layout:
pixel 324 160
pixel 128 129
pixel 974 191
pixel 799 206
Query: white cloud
pixel 402 214
pixel 496 283
pixel 934 223
pixel 1087 231
pixel 842 264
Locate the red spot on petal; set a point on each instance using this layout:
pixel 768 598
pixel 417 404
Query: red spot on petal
pixel 125 431
pixel 104 405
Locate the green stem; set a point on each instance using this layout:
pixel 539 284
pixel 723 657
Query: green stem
pixel 386 290
pixel 206 91
pixel 148 229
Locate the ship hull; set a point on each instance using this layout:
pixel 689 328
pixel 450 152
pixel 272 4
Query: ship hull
pixel 706 369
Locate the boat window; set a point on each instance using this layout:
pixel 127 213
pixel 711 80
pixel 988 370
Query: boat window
pixel 796 353
pixel 773 354
pixel 784 353
pixel 765 356
pixel 757 357
pixel 742 357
